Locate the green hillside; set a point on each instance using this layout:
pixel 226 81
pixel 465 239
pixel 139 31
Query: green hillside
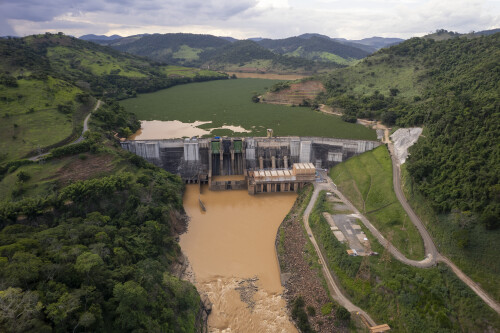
pixel 452 89
pixel 315 48
pixel 219 53
pixel 48 84
pixel 87 240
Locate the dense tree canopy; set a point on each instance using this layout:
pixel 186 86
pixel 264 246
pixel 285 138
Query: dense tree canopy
pixel 456 97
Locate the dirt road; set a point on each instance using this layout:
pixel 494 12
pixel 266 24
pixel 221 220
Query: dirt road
pixel 430 247
pixel 80 139
pixel 332 285
pixel 86 121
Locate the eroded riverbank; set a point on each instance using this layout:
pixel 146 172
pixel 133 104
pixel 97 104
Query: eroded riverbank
pixel 232 254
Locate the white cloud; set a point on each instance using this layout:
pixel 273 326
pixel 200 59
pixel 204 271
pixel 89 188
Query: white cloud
pixel 352 19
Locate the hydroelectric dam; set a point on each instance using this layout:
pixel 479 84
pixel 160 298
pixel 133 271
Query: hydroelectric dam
pixel 265 164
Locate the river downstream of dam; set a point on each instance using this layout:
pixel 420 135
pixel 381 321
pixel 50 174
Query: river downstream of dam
pixel 230 247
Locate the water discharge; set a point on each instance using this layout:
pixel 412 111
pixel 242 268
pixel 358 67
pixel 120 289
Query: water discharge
pixel 173 129
pixel 231 251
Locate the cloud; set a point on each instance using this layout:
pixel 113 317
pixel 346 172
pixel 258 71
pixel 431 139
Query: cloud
pixel 249 18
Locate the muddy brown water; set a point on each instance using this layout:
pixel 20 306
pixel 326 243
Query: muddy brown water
pixel 231 251
pixel 173 129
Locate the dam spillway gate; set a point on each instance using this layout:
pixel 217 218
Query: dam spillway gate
pixel 259 164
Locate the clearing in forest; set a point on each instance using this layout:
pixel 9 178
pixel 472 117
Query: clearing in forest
pixel 295 94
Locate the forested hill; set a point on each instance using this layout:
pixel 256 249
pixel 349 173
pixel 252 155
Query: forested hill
pixel 314 48
pixel 88 233
pixel 100 69
pixel 452 89
pixel 50 81
pixel 199 50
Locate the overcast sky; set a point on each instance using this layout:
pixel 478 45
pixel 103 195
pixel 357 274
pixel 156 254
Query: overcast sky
pixel 352 19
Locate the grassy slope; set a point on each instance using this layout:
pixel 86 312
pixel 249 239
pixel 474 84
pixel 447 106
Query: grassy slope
pixel 29 116
pixel 97 63
pixel 377 74
pixel 325 56
pixel 367 181
pixel 476 259
pixel 31 132
pixel 229 102
pixel 407 298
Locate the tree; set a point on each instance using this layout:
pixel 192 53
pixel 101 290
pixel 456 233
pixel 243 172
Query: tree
pixel 19 310
pixel 23 176
pixel 132 299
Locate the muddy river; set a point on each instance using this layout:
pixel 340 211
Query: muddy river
pixel 231 250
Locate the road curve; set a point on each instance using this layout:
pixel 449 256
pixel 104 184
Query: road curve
pixel 86 123
pixel 334 288
pixel 430 247
pixel 428 261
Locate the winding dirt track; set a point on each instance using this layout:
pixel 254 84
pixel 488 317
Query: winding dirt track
pixel 80 139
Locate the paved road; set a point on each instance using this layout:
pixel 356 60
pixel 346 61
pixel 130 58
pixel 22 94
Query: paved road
pixel 429 245
pixel 80 139
pixel 428 261
pixel 432 257
pixel 334 288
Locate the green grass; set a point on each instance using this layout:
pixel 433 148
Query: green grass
pixel 96 62
pixel 187 53
pixel 407 298
pixel 40 183
pixel 36 94
pixel 186 71
pixel 472 248
pixel 29 116
pixel 366 180
pixel 325 56
pixel 229 102
pixel 377 74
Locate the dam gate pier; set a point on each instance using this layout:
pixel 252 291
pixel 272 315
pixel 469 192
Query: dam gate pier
pixel 259 164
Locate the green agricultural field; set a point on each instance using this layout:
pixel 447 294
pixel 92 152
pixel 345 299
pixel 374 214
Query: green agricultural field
pixel 408 299
pixel 228 102
pixel 366 180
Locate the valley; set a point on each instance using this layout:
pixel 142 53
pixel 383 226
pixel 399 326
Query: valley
pixel 166 237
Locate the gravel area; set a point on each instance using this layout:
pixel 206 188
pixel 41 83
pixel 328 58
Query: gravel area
pixel 403 139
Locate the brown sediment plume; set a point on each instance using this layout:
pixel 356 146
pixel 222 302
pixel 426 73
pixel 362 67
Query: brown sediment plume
pixel 231 250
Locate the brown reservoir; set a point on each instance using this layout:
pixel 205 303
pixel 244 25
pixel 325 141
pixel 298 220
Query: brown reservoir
pixel 231 250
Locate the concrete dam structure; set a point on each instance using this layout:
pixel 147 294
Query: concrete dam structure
pixel 204 160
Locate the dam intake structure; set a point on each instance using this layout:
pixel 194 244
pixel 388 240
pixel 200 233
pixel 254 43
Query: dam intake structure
pixel 272 164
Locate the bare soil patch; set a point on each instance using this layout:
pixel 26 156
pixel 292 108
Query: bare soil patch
pixel 82 169
pixel 296 94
